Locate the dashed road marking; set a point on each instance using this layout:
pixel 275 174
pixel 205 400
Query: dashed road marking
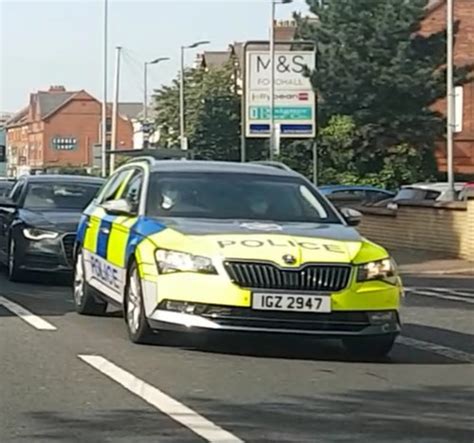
pixel 445 351
pixel 444 294
pixel 161 401
pixel 26 316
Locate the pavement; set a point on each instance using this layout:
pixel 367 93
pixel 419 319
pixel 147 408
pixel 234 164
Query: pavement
pixel 71 378
pixel 419 262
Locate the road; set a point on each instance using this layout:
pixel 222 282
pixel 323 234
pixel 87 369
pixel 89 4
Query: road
pixel 67 378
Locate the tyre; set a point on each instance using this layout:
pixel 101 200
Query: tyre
pixel 138 328
pixel 84 300
pixel 370 347
pixel 14 272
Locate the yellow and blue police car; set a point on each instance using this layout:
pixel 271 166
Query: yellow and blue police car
pixel 217 246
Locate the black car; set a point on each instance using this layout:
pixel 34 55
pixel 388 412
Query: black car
pixel 38 222
pixel 6 185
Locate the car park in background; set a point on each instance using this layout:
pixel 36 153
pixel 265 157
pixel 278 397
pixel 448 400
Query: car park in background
pixel 353 195
pixel 421 192
pixel 38 222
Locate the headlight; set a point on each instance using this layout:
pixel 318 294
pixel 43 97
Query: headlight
pixel 385 270
pixel 174 261
pixel 39 234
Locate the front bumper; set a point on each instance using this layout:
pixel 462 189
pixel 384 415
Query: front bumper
pixel 50 255
pixel 195 302
pixel 222 318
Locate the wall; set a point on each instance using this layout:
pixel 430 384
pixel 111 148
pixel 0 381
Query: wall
pixel 439 227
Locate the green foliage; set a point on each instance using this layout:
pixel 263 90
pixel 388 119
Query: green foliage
pixel 212 114
pixel 376 69
pixel 342 160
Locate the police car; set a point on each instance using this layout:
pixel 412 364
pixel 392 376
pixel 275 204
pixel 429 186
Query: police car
pixel 214 246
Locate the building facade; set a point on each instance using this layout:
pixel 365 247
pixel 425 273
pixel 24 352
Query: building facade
pixel 57 129
pixel 463 55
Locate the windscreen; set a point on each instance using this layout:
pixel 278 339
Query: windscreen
pixel 410 194
pixel 236 196
pixel 65 195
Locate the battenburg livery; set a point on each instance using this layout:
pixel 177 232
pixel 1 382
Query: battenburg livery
pixel 193 246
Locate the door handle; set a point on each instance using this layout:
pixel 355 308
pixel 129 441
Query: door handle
pixel 105 230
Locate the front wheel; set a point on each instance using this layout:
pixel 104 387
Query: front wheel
pixel 14 273
pixel 84 301
pixel 369 347
pixel 138 329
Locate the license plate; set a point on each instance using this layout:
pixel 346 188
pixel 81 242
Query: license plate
pixel 286 302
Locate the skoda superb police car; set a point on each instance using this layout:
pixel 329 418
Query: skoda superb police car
pixel 193 246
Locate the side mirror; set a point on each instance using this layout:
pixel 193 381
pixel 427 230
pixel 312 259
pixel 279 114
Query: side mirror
pixel 6 202
pixel 352 216
pixel 118 207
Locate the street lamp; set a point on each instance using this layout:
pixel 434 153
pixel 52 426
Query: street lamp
pixel 184 141
pixel 272 75
pixel 104 92
pixel 450 98
pixel 145 83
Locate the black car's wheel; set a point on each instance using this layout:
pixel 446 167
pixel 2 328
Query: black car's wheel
pixel 138 329
pixel 14 272
pixel 369 347
pixel 84 300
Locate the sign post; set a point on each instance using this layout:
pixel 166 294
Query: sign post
pixel 294 98
pixel 295 107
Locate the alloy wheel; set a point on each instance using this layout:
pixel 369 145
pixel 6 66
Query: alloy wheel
pixel 79 280
pixel 134 305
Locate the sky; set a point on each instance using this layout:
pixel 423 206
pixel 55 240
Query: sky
pixel 60 42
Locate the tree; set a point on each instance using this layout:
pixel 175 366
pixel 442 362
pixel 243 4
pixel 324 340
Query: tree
pixel 212 114
pixel 376 68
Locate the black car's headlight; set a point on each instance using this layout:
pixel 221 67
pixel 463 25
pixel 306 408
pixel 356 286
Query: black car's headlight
pixel 385 270
pixel 39 234
pixel 175 261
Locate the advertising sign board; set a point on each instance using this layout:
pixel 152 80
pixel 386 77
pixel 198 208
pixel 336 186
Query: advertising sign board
pixel 294 101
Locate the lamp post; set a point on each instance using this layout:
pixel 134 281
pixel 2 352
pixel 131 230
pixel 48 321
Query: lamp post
pixel 145 95
pixel 182 136
pixel 272 75
pixel 450 97
pixel 104 97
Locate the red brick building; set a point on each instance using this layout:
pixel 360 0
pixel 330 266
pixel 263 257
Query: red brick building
pixel 59 128
pixel 463 55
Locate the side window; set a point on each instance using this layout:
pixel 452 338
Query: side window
pixel 375 196
pixel 16 191
pixel 132 190
pixel 112 186
pixel 432 195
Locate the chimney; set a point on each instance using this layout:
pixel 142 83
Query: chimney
pixel 57 88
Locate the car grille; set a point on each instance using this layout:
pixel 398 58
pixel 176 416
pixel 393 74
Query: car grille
pixel 68 244
pixel 329 278
pixel 245 317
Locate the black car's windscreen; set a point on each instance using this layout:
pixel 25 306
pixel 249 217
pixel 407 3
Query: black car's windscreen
pixel 236 196
pixel 59 195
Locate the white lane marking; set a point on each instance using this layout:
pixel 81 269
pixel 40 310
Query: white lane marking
pixel 431 293
pixel 462 292
pixel 445 351
pixel 164 403
pixel 27 316
pixel 455 291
